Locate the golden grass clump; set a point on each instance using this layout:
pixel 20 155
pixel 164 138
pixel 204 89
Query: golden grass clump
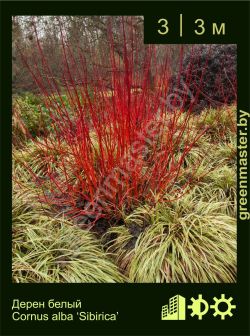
pixel 190 240
pixel 49 249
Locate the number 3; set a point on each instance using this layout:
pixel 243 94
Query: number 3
pixel 201 26
pixel 164 25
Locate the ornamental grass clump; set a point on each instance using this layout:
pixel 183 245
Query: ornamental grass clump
pixel 49 249
pixel 191 240
pixel 122 139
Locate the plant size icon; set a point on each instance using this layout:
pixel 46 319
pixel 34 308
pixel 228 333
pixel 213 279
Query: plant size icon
pixel 175 310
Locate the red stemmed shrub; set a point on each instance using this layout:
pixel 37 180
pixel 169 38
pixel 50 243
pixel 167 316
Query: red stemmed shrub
pixel 123 137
